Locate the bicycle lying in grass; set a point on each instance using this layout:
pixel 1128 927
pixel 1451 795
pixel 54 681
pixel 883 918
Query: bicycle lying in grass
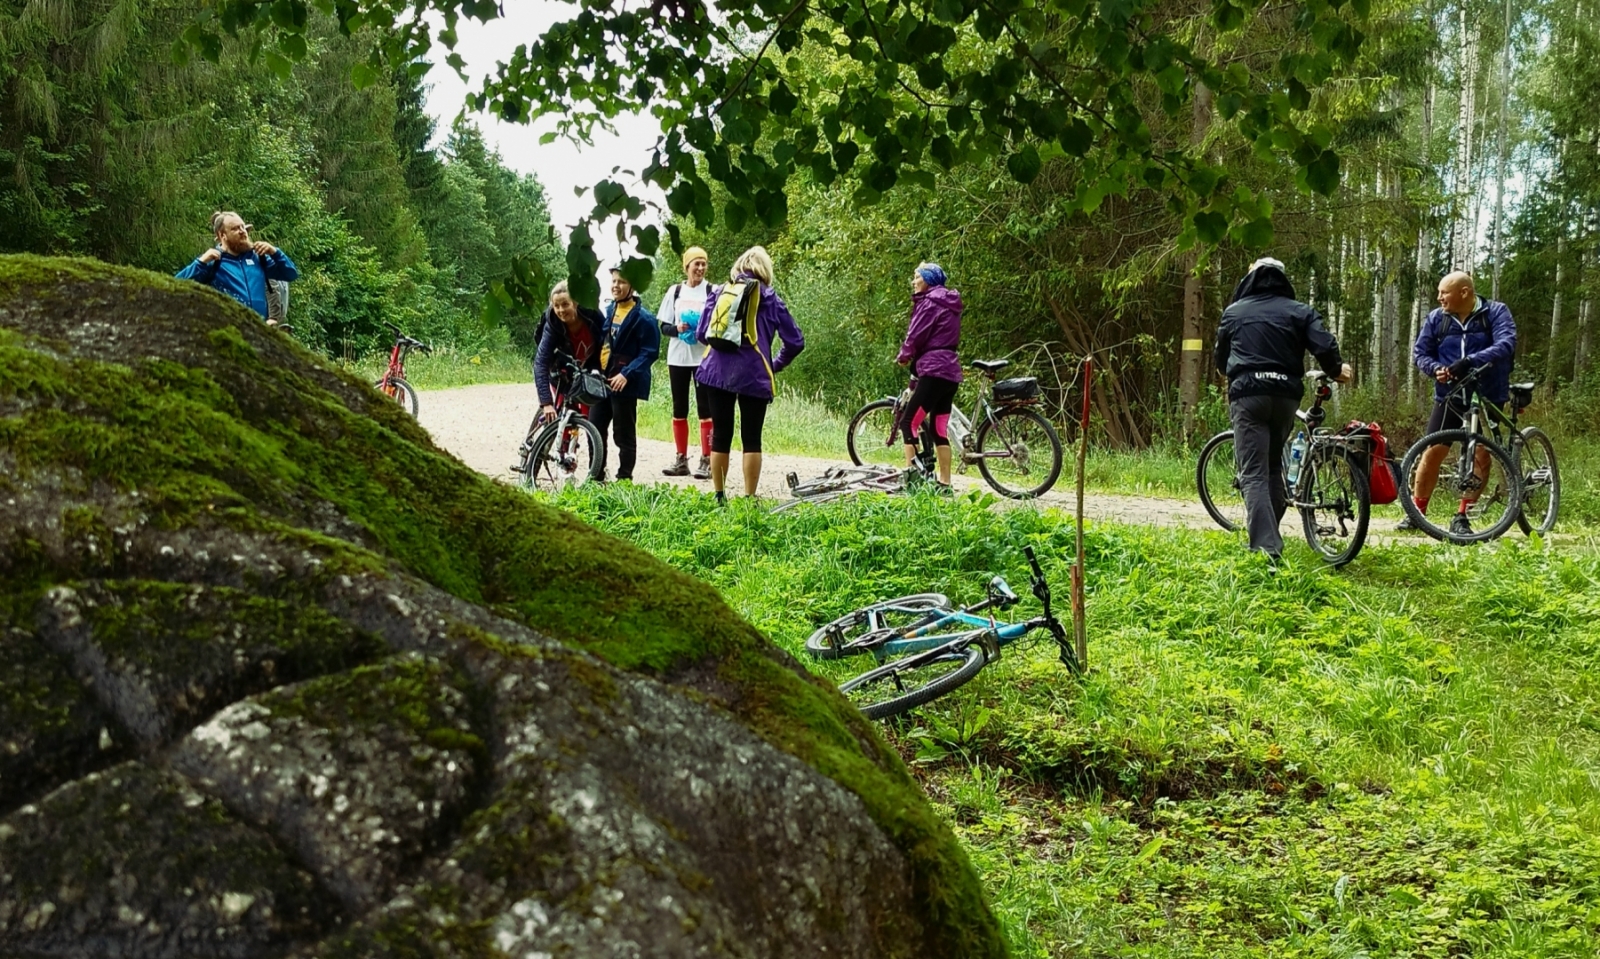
pixel 1015 447
pixel 840 481
pixel 566 449
pixel 1502 473
pixel 925 648
pixel 393 381
pixel 1331 492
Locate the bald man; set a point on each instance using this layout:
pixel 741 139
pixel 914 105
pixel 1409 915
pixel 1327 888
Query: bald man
pixel 1464 333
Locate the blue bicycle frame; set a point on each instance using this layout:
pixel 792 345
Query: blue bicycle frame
pixel 932 635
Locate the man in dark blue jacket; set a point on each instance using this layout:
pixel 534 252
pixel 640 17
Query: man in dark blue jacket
pixel 1261 346
pixel 629 343
pixel 1464 333
pixel 238 267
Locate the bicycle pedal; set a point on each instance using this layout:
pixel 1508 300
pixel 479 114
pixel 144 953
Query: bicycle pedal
pixel 791 479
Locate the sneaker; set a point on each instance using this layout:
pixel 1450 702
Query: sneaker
pixel 1405 526
pixel 703 471
pixel 679 467
pixel 1460 525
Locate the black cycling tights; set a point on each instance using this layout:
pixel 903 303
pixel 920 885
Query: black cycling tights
pixel 752 416
pixel 934 397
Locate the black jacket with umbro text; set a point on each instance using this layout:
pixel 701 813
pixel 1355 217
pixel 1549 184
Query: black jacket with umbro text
pixel 1264 336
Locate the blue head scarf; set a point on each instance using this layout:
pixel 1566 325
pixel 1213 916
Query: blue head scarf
pixel 932 274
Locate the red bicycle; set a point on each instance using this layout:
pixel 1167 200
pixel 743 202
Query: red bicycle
pixel 393 382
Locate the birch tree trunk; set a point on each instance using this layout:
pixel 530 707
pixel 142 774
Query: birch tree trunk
pixel 1552 363
pixel 1500 177
pixel 1424 284
pixel 1192 357
pixel 1464 229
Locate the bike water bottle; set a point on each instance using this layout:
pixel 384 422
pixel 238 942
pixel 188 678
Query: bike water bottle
pixel 1297 452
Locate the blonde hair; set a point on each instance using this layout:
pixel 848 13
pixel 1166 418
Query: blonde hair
pixel 560 289
pixel 754 261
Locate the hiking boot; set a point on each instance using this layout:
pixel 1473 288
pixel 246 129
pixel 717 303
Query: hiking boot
pixel 679 467
pixel 1460 526
pixel 703 471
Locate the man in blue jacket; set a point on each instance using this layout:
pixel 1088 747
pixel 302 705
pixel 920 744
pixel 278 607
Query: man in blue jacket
pixel 1464 333
pixel 238 267
pixel 629 343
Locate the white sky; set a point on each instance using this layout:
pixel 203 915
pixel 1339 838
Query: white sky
pixel 561 166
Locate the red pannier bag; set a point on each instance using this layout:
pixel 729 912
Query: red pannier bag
pixel 1383 474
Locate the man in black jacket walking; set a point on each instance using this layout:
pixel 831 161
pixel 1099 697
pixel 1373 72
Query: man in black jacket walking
pixel 1261 346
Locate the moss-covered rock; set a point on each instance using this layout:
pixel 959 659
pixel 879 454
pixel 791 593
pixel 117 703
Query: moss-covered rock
pixel 194 511
pixel 134 861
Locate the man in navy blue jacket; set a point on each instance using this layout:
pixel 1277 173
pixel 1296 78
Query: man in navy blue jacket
pixel 1464 333
pixel 238 267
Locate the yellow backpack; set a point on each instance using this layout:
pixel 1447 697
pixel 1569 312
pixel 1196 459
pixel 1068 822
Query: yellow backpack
pixel 733 318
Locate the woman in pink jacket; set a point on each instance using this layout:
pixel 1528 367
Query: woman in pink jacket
pixel 930 350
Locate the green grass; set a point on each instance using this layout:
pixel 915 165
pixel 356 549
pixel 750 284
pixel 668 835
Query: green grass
pixel 1399 759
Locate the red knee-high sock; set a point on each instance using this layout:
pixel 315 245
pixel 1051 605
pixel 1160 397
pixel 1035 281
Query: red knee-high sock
pixel 680 436
pixel 705 437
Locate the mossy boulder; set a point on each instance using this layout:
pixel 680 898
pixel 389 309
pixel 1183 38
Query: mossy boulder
pixel 279 677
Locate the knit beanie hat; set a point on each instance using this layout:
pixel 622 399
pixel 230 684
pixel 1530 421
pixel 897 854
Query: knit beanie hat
pixel 694 253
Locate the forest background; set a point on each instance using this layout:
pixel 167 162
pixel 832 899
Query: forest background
pixel 1467 133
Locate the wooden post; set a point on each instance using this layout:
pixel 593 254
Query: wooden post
pixel 1080 633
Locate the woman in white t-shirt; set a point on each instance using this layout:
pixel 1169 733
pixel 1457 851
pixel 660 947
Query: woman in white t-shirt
pixel 680 316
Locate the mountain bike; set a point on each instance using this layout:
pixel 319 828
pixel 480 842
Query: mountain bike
pixel 393 381
pixel 1331 492
pixel 925 648
pixel 1014 446
pixel 1502 473
pixel 566 449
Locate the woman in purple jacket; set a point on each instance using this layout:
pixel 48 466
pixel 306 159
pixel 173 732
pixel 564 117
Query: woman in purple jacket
pixel 744 376
pixel 930 351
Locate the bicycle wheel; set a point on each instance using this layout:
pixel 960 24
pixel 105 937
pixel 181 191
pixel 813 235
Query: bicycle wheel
pixel 1541 482
pixel 871 436
pixel 562 457
pixel 1216 476
pixel 910 681
pixel 1335 505
pixel 398 390
pixel 838 639
pixel 1019 452
pixel 1493 485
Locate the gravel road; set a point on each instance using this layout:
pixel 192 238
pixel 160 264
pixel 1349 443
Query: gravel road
pixel 483 425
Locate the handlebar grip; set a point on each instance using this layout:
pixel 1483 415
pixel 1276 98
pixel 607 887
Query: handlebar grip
pixel 1033 560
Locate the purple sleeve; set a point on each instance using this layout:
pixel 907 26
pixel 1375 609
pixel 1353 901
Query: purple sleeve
pixel 917 333
pixel 1426 348
pixel 789 332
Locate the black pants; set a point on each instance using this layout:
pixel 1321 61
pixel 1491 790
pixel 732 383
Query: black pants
pixel 752 416
pixel 682 377
pixel 935 397
pixel 621 415
pixel 1261 425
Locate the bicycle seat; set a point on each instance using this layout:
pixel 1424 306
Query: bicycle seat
pixel 1316 375
pixel 1522 386
pixel 1001 593
pixel 990 366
